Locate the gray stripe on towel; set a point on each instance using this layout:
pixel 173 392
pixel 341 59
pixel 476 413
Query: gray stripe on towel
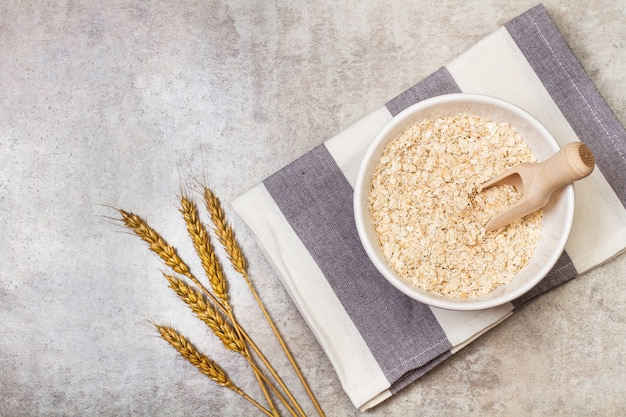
pixel 438 83
pixel 574 92
pixel 316 199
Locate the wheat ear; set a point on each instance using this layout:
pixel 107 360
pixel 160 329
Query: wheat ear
pixel 156 243
pixel 202 244
pixel 203 363
pixel 227 238
pixel 229 335
pixel 208 314
pixel 224 232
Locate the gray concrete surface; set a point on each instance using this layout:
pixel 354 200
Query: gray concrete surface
pixel 116 104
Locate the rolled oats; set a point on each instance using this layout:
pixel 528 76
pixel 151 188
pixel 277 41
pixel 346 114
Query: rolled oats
pixel 429 218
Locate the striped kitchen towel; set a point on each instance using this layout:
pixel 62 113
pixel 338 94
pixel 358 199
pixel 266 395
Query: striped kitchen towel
pixel 377 339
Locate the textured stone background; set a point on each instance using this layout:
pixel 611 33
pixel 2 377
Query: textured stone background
pixel 118 103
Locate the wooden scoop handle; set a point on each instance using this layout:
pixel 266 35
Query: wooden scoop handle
pixel 575 161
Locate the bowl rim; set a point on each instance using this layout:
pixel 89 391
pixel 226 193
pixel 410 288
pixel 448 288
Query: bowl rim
pixel 362 186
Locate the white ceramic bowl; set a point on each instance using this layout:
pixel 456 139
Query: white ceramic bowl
pixel 557 218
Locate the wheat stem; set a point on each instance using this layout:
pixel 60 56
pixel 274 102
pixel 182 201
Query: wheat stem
pixel 168 254
pixel 204 364
pixel 170 257
pixel 229 335
pixel 210 263
pixel 227 238
pixel 213 270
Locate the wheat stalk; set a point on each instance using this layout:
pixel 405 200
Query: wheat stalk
pixel 230 336
pixel 227 238
pixel 213 270
pixel 203 363
pixel 168 254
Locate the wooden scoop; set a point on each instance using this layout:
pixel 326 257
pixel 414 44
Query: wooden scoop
pixel 538 181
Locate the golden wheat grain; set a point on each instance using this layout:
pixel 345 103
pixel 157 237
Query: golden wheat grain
pixel 202 362
pixel 205 365
pixel 229 335
pixel 202 244
pixel 156 243
pixel 208 314
pixel 224 232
